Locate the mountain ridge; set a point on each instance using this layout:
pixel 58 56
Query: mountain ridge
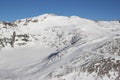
pixel 52 47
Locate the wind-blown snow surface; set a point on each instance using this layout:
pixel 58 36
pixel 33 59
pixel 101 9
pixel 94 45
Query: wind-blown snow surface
pixel 51 47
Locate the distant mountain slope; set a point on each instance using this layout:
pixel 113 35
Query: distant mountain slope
pixel 52 47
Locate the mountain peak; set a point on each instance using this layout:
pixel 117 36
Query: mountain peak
pixel 52 47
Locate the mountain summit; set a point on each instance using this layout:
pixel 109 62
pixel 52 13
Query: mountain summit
pixel 52 47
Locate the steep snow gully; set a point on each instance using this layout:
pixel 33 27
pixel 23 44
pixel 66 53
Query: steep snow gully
pixel 52 47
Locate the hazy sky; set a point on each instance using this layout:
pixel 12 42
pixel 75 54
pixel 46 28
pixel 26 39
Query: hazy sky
pixel 11 10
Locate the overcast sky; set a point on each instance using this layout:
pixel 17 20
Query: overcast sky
pixel 11 10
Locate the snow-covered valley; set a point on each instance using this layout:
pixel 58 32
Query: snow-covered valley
pixel 52 47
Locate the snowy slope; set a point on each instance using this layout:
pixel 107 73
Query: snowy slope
pixel 52 47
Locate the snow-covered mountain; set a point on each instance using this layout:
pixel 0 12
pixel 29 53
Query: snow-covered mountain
pixel 52 47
